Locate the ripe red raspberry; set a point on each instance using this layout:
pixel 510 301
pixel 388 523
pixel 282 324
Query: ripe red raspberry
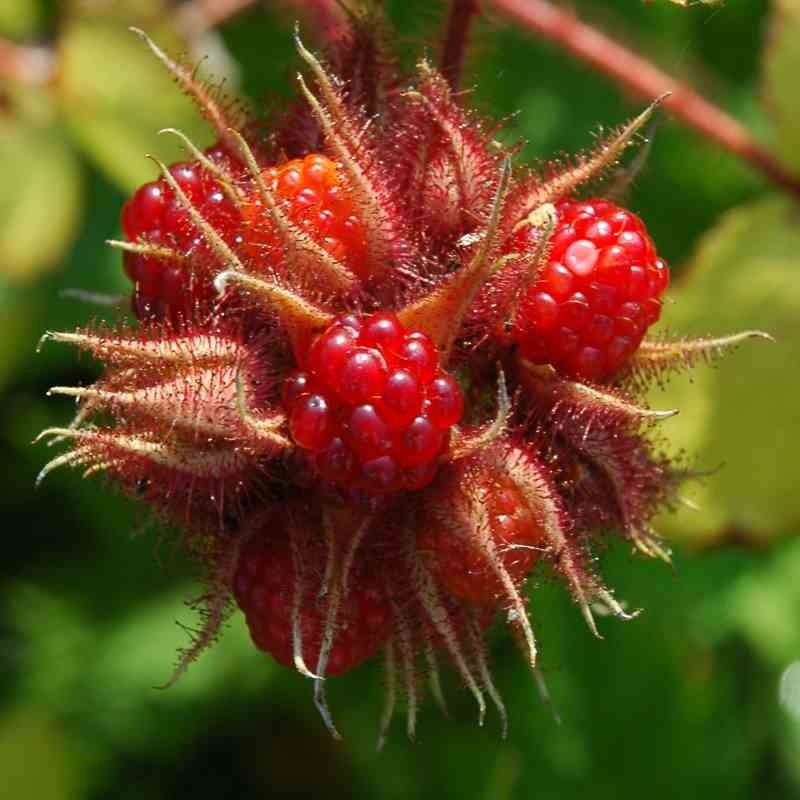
pixel 598 294
pixel 372 405
pixel 169 288
pixel 463 564
pixel 264 587
pixel 313 197
pixel 316 199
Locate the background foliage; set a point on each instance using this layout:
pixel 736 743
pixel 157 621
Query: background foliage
pixel 696 698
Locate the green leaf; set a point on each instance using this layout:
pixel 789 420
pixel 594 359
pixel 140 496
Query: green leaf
pixel 40 198
pixel 781 68
pixel 29 739
pixel 20 18
pixel 742 415
pixel 116 97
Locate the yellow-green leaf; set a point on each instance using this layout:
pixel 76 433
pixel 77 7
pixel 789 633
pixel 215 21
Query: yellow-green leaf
pixel 741 415
pixel 116 97
pixel 40 198
pixel 781 68
pixel 20 18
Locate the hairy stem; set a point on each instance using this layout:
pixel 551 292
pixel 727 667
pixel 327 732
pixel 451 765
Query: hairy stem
pixel 645 79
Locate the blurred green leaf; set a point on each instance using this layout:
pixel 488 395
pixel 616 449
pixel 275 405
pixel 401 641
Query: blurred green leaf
pixel 35 754
pixel 20 18
pixel 781 68
pixel 762 606
pixel 115 112
pixel 40 198
pixel 742 415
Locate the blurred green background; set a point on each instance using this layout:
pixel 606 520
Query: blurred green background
pixel 699 697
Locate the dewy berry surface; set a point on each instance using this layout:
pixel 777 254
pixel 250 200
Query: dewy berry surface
pixel 265 587
pixel 598 294
pixel 371 405
pixel 464 564
pixel 309 191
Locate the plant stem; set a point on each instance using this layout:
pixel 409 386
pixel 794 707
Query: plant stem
pixel 456 38
pixel 645 79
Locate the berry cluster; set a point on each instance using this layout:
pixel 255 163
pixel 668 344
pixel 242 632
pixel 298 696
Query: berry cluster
pixel 324 462
pixel 372 405
pixel 597 295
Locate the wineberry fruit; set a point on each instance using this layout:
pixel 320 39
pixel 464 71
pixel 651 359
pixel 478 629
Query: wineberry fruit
pixel 371 404
pixel 596 296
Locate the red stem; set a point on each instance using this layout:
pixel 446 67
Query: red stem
pixel 643 78
pixel 459 20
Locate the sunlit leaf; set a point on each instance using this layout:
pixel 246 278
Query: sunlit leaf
pixel 40 198
pixel 20 18
pixel 740 419
pixel 115 112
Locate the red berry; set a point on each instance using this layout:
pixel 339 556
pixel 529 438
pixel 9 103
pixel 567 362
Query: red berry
pixel 372 405
pixel 171 287
pixel 315 199
pixel 597 296
pixel 312 195
pixel 464 567
pixel 265 585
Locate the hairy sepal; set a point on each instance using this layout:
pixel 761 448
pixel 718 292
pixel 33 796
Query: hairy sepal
pixel 452 178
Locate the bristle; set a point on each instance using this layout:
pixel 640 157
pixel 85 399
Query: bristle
pixel 386 244
pixel 478 653
pixel 298 593
pixel 530 196
pixel 656 359
pixel 223 178
pixel 196 349
pixel 478 531
pixel 390 696
pixel 434 678
pixel 304 256
pixel 588 402
pixel 148 250
pixel 226 256
pixel 461 172
pixel 406 647
pixel 442 312
pixel 215 608
pixel 299 316
pixel 210 108
pixel 465 443
pixel 439 618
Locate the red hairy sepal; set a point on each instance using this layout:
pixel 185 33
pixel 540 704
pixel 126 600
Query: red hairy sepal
pixel 177 400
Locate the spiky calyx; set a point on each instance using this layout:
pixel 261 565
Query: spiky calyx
pixel 282 322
